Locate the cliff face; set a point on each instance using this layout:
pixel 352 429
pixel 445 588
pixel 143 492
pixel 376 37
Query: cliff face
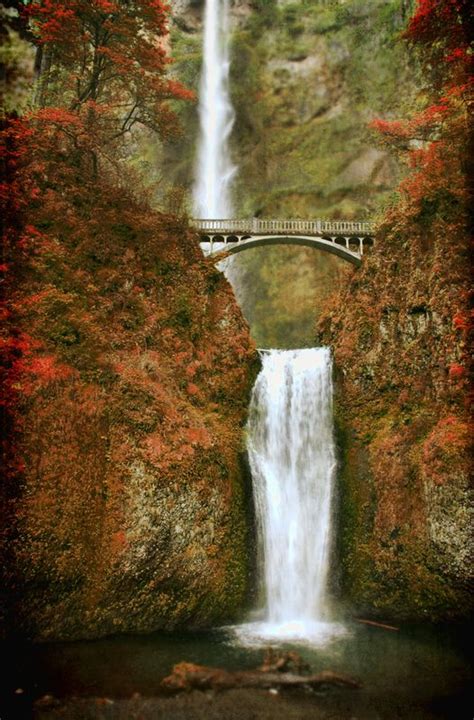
pixel 402 333
pixel 306 79
pixel 399 338
pixel 132 389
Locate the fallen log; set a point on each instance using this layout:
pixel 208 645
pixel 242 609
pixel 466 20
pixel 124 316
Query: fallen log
pixel 187 676
pixel 384 626
pixel 277 661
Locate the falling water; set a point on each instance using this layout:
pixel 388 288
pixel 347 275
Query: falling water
pixel 291 446
pixel 215 169
pixel 292 458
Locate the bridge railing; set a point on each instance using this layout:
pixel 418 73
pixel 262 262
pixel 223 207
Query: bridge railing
pixel 256 226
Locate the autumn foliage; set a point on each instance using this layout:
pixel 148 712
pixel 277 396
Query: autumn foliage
pixel 122 350
pixel 436 196
pixel 436 145
pixel 444 29
pixel 402 339
pixel 110 61
pixel 103 73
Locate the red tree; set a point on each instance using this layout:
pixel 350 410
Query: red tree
pixel 102 71
pixel 106 60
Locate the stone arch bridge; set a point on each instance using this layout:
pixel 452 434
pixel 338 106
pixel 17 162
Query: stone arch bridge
pixel 346 239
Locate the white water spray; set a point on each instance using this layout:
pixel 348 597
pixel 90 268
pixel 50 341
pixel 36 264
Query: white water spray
pixel 214 168
pixel 292 458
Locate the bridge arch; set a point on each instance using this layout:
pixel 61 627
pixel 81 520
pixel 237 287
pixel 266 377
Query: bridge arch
pixel 340 249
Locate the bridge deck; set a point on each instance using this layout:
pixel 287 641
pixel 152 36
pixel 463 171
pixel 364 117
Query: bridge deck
pixel 255 226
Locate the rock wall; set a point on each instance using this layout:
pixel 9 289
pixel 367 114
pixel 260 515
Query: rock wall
pixel 405 509
pixel 306 78
pixel 132 390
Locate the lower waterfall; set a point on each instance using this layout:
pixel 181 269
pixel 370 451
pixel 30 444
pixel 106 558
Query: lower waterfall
pixel 292 459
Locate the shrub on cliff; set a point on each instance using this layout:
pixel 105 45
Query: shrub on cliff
pixel 102 71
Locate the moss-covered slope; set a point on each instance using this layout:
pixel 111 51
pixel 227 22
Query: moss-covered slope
pixel 402 335
pixel 399 333
pixel 132 388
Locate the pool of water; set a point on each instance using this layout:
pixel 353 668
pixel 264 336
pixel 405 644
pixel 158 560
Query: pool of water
pixel 426 665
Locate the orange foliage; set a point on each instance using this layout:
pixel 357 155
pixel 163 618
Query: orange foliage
pixel 112 64
pixel 198 436
pixel 119 542
pixel 443 28
pixel 446 448
pixel 115 362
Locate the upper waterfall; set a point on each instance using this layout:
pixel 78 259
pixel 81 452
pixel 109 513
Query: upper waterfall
pixel 214 171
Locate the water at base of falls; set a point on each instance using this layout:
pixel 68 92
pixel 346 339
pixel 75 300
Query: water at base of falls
pixel 292 459
pixel 315 634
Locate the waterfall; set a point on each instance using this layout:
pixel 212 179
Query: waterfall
pixel 214 168
pixel 292 459
pixel 290 445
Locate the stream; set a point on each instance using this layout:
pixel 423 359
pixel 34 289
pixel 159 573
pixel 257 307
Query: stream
pixel 418 672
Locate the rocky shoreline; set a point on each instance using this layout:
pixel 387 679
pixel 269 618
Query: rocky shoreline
pixel 248 704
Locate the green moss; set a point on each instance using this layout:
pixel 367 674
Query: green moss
pixel 64 333
pixel 395 572
pixel 291 17
pixel 183 313
pixel 266 15
pixel 324 20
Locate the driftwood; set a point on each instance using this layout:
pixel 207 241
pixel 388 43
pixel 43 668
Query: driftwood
pixel 377 624
pixel 277 661
pixel 272 674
